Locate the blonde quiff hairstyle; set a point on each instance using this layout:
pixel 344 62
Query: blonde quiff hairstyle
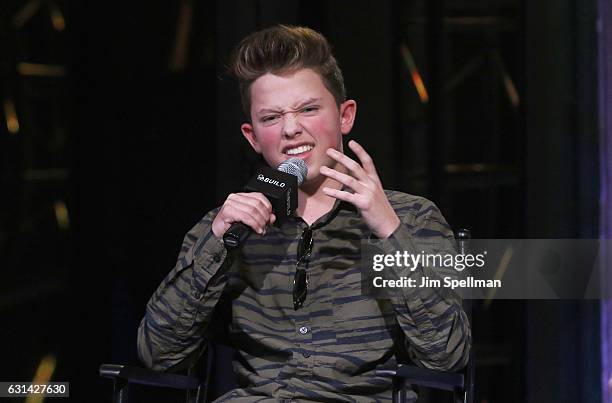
pixel 284 49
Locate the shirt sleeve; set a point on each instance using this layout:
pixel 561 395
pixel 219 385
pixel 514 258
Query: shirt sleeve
pixel 436 327
pixel 178 313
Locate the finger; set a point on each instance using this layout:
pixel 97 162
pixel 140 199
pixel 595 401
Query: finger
pixel 366 161
pixel 340 194
pixel 259 201
pixel 267 205
pixel 239 209
pixel 256 199
pixel 248 216
pixel 343 178
pixel 353 167
pixel 249 202
pixel 236 214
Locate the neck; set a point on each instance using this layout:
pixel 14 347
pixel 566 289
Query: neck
pixel 312 202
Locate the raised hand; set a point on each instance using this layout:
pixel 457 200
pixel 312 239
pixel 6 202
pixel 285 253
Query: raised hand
pixel 369 196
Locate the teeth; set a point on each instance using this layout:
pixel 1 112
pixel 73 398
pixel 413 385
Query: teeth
pixel 298 150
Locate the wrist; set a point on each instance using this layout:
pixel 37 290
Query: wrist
pixel 388 229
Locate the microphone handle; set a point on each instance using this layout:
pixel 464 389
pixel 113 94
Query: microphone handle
pixel 236 234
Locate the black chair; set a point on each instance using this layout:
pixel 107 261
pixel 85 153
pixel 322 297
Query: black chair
pixel 460 383
pixel 198 386
pixel 199 383
pixel 123 376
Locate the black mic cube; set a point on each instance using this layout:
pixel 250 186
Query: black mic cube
pixel 279 187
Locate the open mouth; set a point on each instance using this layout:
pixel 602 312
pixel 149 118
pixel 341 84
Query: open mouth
pixel 299 150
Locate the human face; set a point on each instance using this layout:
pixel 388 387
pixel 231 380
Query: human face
pixel 295 115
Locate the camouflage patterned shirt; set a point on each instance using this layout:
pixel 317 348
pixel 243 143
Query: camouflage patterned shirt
pixel 329 349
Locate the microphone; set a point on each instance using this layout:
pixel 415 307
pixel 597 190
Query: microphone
pixel 280 187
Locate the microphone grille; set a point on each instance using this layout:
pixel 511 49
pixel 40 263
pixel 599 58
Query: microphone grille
pixel 296 167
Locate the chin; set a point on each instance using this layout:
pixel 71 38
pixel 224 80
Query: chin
pixel 313 172
pixel 310 178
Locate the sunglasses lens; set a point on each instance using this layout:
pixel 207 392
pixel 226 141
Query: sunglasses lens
pixel 305 245
pixel 300 281
pixel 300 288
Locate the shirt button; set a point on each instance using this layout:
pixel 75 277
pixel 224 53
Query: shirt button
pixel 303 330
pixel 217 258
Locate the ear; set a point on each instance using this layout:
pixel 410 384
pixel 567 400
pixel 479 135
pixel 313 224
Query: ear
pixel 348 110
pixel 249 133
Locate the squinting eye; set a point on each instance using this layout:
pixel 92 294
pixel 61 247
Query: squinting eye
pixel 310 109
pixel 269 119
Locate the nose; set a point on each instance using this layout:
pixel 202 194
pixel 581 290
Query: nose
pixel 291 125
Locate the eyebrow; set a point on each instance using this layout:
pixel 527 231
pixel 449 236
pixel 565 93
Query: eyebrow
pixel 301 105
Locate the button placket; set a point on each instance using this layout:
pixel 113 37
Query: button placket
pixel 303 333
pixel 303 328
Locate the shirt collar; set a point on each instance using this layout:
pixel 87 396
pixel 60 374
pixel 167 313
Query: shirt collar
pixel 337 207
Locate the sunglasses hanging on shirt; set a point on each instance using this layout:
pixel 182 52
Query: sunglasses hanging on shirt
pixel 300 280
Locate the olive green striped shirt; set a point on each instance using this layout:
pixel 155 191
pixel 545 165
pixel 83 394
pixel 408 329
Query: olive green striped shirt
pixel 329 349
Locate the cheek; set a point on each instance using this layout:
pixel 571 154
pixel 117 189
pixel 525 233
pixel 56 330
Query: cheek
pixel 267 138
pixel 325 130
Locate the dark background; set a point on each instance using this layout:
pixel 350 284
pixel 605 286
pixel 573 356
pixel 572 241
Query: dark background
pixel 136 143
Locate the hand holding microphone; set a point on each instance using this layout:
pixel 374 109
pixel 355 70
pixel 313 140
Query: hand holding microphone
pixel 271 195
pixel 253 209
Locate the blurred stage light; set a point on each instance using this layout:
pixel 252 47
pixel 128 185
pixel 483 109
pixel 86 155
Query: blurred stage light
pixel 31 7
pixel 61 215
pixel 26 12
pixel 509 86
pixel 42 70
pixel 180 51
pixel 10 114
pixel 43 374
pixel 57 18
pixel 414 73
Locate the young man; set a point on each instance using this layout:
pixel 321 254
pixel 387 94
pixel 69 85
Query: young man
pixel 302 328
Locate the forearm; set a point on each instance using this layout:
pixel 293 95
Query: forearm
pixel 178 313
pixel 435 325
pixel 432 318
